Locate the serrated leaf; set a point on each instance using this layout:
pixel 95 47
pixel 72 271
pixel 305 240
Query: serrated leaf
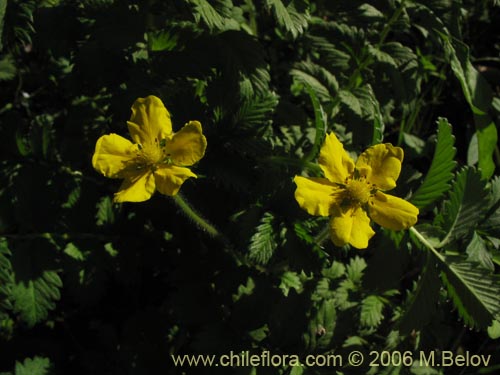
pixel 33 299
pixel 205 12
pixel 466 204
pixel 8 69
pixel 370 108
pixel 35 366
pixel 335 271
pixel 355 269
pixel 318 78
pixel 478 252
pixel 105 212
pixel 263 243
pixel 351 101
pixel 422 302
pixel 436 182
pixel 3 6
pixel 474 87
pixel 292 17
pixel 162 40
pixel 474 292
pixel 290 280
pixel 319 124
pixel 36 285
pixel 487 136
pixel 381 56
pixel 256 112
pixel 5 277
pixel 330 55
pixel 369 11
pixel 479 95
pixel 371 311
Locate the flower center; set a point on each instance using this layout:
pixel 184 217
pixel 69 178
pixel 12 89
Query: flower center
pixel 358 191
pixel 150 155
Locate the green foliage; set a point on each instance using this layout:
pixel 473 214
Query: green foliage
pixel 5 279
pixel 465 207
pixel 88 286
pixel 437 179
pixel 422 301
pixel 264 241
pixel 35 366
pixel 35 289
pixel 473 291
pixel 292 15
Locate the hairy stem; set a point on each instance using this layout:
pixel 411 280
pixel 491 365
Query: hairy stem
pixel 191 213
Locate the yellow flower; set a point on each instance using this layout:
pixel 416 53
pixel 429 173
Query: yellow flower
pixel 156 159
pixel 351 193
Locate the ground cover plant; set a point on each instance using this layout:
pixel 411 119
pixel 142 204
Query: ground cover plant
pixel 204 177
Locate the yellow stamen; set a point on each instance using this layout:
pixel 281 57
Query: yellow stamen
pixel 150 155
pixel 357 191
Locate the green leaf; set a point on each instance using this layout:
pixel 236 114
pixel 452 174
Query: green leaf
pixel 494 330
pixel 463 211
pixel 381 56
pixel 478 252
pixel 263 243
pixel 479 95
pixel 351 101
pixel 422 301
pixel 5 277
pixel 8 69
pixel 370 108
pixel 290 280
pixel 292 17
pixel 105 212
pixel 330 55
pixel 474 87
pixel 256 112
pixel 320 123
pixel 322 81
pixel 355 269
pixel 474 292
pixel 371 311
pixel 162 40
pixel 436 182
pixel 487 137
pixel 3 6
pixel 205 12
pixel 35 366
pixel 36 285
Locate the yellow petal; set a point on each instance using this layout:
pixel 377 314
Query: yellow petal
pixel 169 178
pixel 392 212
pixel 336 164
pixel 112 155
pixel 136 188
pixel 381 165
pixel 188 145
pixel 351 226
pixel 150 121
pixel 316 195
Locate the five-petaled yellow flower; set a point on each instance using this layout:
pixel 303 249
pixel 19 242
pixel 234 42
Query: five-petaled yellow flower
pixel 156 159
pixel 352 193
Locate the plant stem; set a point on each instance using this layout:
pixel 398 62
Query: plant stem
pixel 323 235
pixel 427 244
pixel 208 228
pixel 190 212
